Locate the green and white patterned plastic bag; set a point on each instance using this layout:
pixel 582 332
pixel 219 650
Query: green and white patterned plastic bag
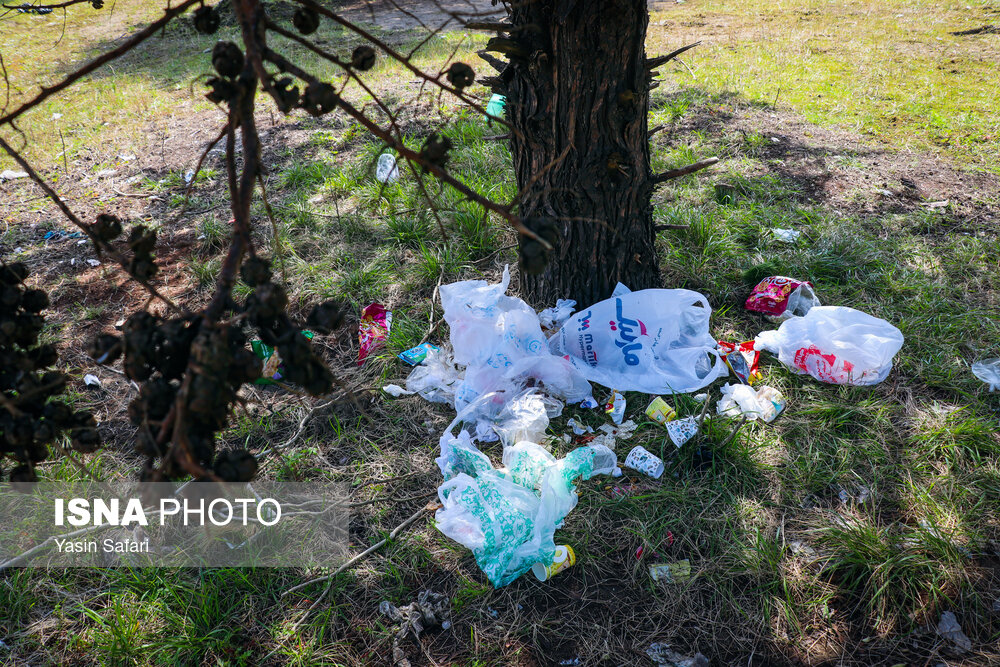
pixel 508 516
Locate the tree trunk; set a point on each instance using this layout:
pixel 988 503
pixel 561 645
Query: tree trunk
pixel 577 97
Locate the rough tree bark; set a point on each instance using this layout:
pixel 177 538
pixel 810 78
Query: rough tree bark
pixel 577 98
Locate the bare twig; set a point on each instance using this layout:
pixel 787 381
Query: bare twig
pixel 395 55
pixel 684 171
pixel 653 63
pixel 430 507
pixel 729 438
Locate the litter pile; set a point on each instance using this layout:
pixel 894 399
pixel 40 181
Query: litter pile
pixel 506 378
pixel 430 611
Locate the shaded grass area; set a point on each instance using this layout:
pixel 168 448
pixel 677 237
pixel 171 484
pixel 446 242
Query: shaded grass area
pixel 833 536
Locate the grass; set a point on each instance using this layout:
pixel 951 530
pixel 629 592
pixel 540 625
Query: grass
pixel 835 535
pixel 888 69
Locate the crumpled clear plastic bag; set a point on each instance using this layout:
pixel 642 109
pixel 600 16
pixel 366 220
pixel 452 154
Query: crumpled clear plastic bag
pixel 835 344
pixel 525 417
pixel 655 341
pixel 743 400
pixel 988 370
pixel 499 340
pixel 435 378
pixel 553 318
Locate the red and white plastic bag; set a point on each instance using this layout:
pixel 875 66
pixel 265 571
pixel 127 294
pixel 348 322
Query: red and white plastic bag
pixel 835 344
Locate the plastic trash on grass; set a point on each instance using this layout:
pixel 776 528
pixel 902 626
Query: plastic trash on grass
pixel 386 170
pixel 499 341
pixel 554 318
pixel 435 378
pixel 781 297
pixel 372 330
pixel 496 108
pixel 508 516
pixel 417 354
pixel 742 359
pixel 738 400
pixel 835 344
pixel 786 235
pixel 271 367
pixel 654 341
pixel 988 370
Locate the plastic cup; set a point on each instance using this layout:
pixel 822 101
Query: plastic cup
pixel 660 411
pixel 682 430
pixel 564 559
pixel 644 461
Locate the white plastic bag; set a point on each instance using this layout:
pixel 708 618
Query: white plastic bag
pixel 523 418
pixel 435 378
pixel 988 370
pixel 499 340
pixel 764 403
pixel 835 344
pixel 800 301
pixel 654 341
pixel 553 318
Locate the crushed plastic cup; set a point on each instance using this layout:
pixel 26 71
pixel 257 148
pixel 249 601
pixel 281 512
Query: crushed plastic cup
pixel 386 170
pixel 644 461
pixel 682 430
pixel 671 573
pixel 615 406
pixel 988 370
pixel 564 559
pixel 660 411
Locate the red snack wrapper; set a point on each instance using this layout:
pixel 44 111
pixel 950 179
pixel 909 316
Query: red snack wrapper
pixel 372 330
pixel 743 360
pixel 770 296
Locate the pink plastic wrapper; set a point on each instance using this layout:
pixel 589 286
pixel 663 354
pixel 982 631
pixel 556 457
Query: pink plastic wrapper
pixel 770 296
pixel 372 330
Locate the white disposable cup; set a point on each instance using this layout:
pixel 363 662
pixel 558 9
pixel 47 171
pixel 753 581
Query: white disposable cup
pixel 682 430
pixel 644 461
